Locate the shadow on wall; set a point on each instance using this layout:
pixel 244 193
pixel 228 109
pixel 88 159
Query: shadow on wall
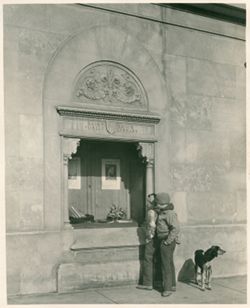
pixel 187 272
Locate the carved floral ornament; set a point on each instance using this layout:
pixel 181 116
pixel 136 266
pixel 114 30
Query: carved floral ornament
pixel 146 151
pixel 70 146
pixel 109 83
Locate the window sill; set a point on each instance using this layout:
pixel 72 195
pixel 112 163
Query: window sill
pixel 99 225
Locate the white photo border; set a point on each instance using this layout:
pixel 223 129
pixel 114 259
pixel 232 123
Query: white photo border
pixel 74 182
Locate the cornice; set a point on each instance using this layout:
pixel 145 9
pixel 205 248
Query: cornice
pixel 226 12
pixel 108 115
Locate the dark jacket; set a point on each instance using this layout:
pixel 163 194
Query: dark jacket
pixel 167 226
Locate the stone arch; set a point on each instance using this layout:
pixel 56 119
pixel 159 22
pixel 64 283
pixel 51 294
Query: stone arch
pixel 97 44
pixel 100 43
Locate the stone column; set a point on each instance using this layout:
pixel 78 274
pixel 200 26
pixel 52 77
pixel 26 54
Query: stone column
pixel 69 146
pixel 146 151
pixel 149 177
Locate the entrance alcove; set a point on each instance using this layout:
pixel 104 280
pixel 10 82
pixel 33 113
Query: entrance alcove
pixel 105 174
pixel 100 108
pixel 122 110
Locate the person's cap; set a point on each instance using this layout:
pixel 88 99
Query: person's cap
pixel 162 198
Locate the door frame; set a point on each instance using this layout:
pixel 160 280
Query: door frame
pixel 76 124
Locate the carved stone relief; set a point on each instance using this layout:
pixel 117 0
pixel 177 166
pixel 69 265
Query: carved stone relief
pixel 69 147
pixel 88 123
pixel 146 151
pixel 109 83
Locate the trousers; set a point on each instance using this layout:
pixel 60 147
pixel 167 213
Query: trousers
pixel 150 259
pixel 167 266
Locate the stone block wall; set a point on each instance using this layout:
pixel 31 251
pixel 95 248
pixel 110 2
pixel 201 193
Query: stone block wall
pixel 195 81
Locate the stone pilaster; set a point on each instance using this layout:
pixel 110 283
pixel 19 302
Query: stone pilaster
pixel 146 151
pixel 69 147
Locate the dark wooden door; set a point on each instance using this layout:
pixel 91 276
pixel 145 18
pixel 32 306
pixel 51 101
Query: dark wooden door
pixel 101 199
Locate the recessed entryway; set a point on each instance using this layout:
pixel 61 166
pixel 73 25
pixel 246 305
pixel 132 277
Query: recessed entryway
pixel 105 174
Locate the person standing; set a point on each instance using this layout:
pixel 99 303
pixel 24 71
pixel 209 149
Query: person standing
pixel 167 230
pixel 151 241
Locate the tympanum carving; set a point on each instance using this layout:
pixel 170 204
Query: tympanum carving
pixel 109 83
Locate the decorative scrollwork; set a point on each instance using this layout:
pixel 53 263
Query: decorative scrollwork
pixel 109 83
pixel 146 152
pixel 70 146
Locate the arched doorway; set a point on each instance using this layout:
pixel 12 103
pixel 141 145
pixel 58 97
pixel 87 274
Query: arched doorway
pixel 113 97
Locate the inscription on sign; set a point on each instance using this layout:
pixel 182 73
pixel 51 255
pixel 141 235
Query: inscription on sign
pixel 95 126
pixel 107 128
pixel 113 128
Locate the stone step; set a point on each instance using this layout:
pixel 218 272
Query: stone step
pixel 78 276
pixel 101 258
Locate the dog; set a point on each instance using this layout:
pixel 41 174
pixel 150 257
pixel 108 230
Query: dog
pixel 202 260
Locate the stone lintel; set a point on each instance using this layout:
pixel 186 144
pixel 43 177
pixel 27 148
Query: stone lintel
pixel 108 115
pixel 82 123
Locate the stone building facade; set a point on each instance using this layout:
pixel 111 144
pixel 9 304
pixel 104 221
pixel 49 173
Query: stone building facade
pixel 154 91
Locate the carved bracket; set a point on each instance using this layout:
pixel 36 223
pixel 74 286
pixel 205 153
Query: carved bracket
pixel 69 147
pixel 146 151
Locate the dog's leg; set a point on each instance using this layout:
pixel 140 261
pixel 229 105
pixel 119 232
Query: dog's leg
pixel 196 273
pixel 209 277
pixel 203 277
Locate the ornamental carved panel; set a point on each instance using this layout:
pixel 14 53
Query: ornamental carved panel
pixel 109 83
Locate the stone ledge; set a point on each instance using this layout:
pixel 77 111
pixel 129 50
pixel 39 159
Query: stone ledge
pixel 102 255
pixel 107 238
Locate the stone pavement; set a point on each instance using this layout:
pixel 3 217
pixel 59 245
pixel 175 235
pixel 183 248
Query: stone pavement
pixel 231 290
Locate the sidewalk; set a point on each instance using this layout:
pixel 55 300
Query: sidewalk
pixel 231 290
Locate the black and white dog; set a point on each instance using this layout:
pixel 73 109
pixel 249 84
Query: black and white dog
pixel 202 260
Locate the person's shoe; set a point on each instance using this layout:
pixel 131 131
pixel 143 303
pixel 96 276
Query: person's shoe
pixel 166 293
pixel 173 289
pixel 142 287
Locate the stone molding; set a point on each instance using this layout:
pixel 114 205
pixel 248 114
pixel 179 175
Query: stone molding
pixel 109 115
pixel 88 123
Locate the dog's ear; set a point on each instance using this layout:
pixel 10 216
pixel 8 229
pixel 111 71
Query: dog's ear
pixel 215 247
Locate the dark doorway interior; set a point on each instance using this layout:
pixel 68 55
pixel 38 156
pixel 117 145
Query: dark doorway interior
pixel 107 174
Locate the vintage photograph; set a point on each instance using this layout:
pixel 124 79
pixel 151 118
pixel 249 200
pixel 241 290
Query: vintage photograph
pixel 111 174
pixel 125 153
